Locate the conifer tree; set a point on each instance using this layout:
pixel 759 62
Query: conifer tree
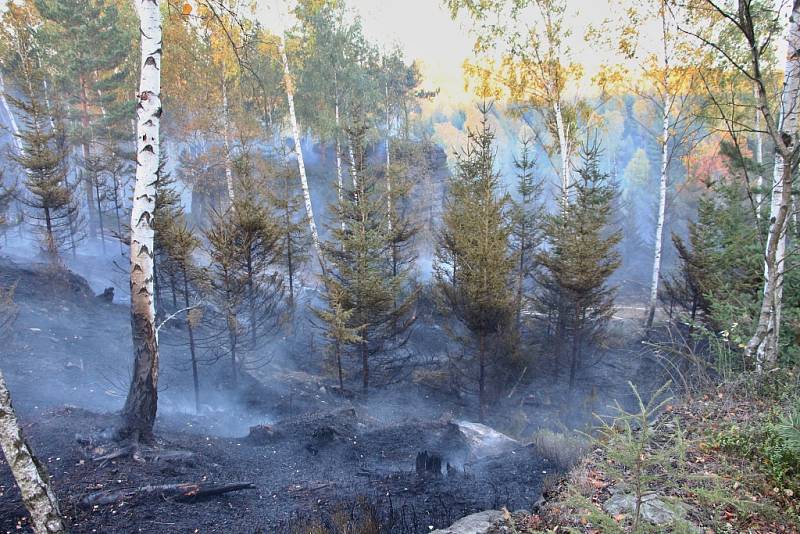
pixel 169 216
pixel 374 303
pixel 340 330
pixel 88 45
pixel 226 286
pixel 578 262
pixel 474 269
pixel 720 265
pixel 526 218
pixel 257 253
pixel 49 199
pixel 293 240
pixel 244 286
pixel 180 248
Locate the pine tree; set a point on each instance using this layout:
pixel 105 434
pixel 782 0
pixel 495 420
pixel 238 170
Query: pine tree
pixel 578 262
pixel 179 249
pixel 286 201
pixel 340 330
pixel 88 49
pixel 169 216
pixel 474 268
pixel 244 286
pixel 257 254
pixel 360 281
pixel 720 265
pixel 526 233
pixel 49 199
pixel 226 287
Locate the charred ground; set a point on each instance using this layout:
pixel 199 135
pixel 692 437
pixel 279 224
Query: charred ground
pixel 311 452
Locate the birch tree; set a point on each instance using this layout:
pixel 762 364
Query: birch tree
pixel 756 26
pixel 30 475
pixel 298 148
pixel 15 132
pixel 665 89
pixel 141 404
pixel 536 68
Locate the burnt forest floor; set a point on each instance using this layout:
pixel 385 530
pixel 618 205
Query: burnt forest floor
pixel 314 456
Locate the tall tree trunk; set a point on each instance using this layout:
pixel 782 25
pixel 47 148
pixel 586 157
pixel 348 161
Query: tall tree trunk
pixel 337 347
pixel 99 210
pixel 662 210
pixel 87 154
pixel 287 221
pixel 339 179
pixel 388 174
pixel 564 148
pixel 142 402
pixel 31 476
pixel 251 300
pixel 287 80
pixel 759 197
pixel 11 118
pixel 364 363
pixel 521 276
pixel 765 341
pixel 576 352
pixel 190 328
pixel 231 319
pixel 482 377
pixel 226 140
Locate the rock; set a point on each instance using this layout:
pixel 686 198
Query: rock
pixel 484 441
pixel 479 523
pixel 107 295
pixel 653 510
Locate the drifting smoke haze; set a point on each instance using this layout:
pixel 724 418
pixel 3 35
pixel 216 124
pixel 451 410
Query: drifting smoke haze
pixel 370 367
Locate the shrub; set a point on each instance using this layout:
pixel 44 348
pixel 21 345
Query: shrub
pixel 562 450
pixel 772 443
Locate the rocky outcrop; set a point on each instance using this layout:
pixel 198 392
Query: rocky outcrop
pixel 479 523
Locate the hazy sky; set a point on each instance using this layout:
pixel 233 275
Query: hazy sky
pixel 424 29
pixel 426 32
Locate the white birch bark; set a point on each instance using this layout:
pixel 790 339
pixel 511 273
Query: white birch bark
pixel 759 197
pixel 662 209
pixel 563 146
pixel 339 179
pixel 226 139
pixel 31 476
pixel 287 79
pixel 666 109
pixel 765 341
pixel 353 172
pixel 388 164
pixel 141 404
pixel 11 118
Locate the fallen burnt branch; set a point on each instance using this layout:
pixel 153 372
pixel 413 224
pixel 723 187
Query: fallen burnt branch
pixel 139 454
pixel 184 492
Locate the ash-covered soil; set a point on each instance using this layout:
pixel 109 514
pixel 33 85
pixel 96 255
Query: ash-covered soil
pixel 305 468
pixel 310 452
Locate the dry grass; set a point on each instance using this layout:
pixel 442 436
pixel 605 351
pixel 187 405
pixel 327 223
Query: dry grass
pixel 561 449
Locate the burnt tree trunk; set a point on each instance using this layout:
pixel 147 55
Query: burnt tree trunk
pixel 31 476
pixel 190 328
pixel 482 377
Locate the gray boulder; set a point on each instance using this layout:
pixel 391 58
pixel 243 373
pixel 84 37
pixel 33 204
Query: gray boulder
pixel 479 523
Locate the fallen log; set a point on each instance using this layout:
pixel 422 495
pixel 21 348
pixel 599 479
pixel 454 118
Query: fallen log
pixel 184 492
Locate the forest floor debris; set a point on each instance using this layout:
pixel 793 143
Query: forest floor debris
pixel 709 485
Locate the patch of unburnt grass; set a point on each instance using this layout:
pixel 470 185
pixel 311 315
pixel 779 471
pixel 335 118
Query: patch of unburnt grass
pixel 705 476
